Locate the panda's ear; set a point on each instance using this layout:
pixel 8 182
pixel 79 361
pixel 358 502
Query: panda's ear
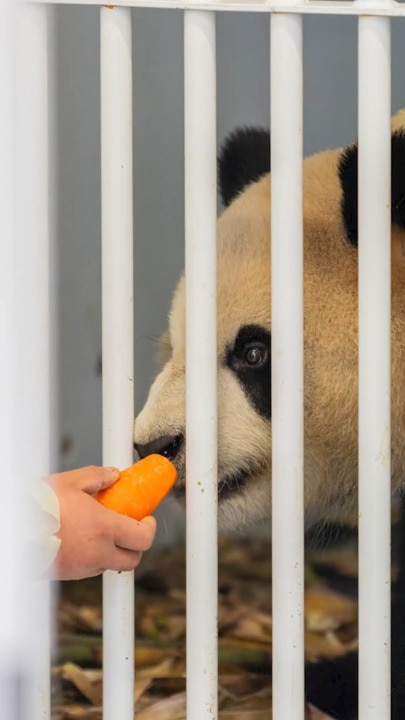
pixel 244 158
pixel 348 179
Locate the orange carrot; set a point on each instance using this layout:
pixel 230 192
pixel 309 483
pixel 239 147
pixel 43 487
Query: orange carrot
pixel 140 488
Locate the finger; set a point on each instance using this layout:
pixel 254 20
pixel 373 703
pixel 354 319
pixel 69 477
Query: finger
pixel 93 479
pixel 90 479
pixel 124 560
pixel 87 573
pixel 133 535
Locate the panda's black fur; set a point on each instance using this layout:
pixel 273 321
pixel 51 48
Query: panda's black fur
pixel 244 158
pixel 349 177
pixel 332 685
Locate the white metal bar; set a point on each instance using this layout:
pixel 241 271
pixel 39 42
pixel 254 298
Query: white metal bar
pixel 34 321
pixel 287 366
pixel 201 364
pixel 10 561
pixel 117 342
pixel 374 367
pixel 334 7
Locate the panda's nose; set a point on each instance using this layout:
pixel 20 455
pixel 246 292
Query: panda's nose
pixel 166 445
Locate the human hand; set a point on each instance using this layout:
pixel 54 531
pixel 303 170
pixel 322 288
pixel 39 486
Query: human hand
pixel 95 539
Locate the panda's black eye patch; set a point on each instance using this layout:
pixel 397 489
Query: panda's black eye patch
pixel 249 359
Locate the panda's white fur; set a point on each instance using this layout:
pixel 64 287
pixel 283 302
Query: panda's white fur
pixel 331 352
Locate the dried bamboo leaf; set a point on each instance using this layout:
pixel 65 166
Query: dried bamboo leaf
pixel 147 655
pixel 87 618
pixel 171 708
pixel 77 676
pixel 312 713
pixel 253 708
pixel 244 684
pixel 253 627
pixel 326 610
pixel 318 646
pixel 141 686
pixel 232 714
pixel 162 670
pixel 77 712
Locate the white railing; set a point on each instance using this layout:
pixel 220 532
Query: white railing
pixel 201 362
pixel 374 366
pixel 287 380
pixel 25 261
pixel 327 7
pixel 118 337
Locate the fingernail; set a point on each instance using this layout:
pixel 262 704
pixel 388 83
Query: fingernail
pixel 114 472
pixel 150 520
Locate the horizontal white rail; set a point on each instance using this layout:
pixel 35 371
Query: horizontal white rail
pixel 314 7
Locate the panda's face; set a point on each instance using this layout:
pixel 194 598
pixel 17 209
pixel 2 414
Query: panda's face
pixel 244 343
pixel 244 364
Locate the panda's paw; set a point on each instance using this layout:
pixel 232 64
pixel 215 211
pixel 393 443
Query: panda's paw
pixel 331 686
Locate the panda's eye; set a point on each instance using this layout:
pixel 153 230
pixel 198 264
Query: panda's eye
pixel 250 351
pixel 255 355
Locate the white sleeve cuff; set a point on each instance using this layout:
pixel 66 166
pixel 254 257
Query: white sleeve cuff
pixel 45 545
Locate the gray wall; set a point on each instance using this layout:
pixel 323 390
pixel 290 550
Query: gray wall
pixel 330 55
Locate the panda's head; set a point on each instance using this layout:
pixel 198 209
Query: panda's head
pixel 244 335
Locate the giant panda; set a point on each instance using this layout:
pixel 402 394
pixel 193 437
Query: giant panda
pixel 330 363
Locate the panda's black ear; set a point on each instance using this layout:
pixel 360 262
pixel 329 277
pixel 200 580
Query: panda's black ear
pixel 348 180
pixel 244 158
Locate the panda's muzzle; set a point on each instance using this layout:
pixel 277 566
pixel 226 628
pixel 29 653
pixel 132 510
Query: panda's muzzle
pixel 170 446
pixel 227 485
pixel 166 445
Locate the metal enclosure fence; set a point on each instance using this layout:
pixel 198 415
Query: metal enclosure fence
pixel 27 301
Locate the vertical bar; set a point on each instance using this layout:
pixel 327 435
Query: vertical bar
pixel 374 367
pixel 201 364
pixel 34 318
pixel 117 341
pixel 287 366
pixel 9 538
